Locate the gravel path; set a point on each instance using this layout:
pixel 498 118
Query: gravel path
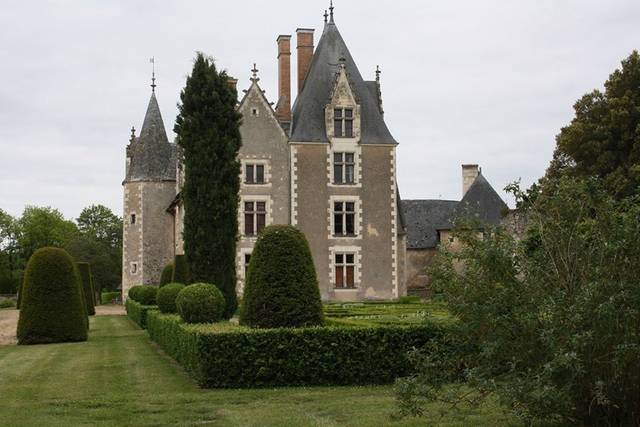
pixel 9 321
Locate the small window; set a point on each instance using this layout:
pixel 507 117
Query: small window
pixel 343 168
pixel 254 174
pixel 254 112
pixel 344 273
pixel 344 214
pixel 255 214
pixel 133 218
pixel 134 268
pixel 343 122
pixel 247 259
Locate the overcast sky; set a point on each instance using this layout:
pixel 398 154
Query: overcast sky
pixel 487 82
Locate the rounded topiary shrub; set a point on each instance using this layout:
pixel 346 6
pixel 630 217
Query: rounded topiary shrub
pixel 51 309
pixel 147 295
pixel 200 303
pixel 134 292
pixel 166 297
pixel 167 275
pixel 281 288
pixel 87 286
pixel 180 270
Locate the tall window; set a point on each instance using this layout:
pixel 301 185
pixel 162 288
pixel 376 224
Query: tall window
pixel 255 214
pixel 133 218
pixel 344 215
pixel 343 122
pixel 343 168
pixel 254 174
pixel 247 258
pixel 344 271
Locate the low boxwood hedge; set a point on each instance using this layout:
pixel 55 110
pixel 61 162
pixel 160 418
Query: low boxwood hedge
pixel 235 356
pixel 138 312
pixel 109 297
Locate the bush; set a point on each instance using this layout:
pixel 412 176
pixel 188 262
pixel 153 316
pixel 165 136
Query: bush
pixel 147 295
pixel 166 297
pixel 52 306
pixel 108 297
pixel 181 271
pixel 167 275
pixel 237 356
pixel 282 287
pixel 138 312
pixel 7 303
pixel 200 303
pixel 87 285
pixel 134 292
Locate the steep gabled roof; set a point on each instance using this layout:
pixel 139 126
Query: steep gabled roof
pixel 153 157
pixel 308 120
pixel 423 219
pixel 255 88
pixel 481 203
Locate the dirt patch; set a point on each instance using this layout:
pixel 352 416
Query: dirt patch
pixel 8 325
pixel 110 310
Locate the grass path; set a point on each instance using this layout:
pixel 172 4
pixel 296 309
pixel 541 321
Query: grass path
pixel 119 378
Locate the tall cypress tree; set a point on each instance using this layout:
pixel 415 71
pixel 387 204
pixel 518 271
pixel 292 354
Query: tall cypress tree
pixel 208 130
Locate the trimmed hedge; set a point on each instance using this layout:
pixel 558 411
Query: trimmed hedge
pixel 87 285
pixel 107 297
pixel 181 270
pixel 144 294
pixel 236 356
pixel 167 275
pixel 138 312
pixel 52 308
pixel 282 287
pixel 200 303
pixel 134 292
pixel 166 297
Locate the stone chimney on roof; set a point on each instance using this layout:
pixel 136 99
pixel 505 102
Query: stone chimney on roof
pixel 305 53
pixel 283 107
pixel 469 174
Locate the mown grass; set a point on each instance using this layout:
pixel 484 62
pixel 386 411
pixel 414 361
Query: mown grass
pixel 119 378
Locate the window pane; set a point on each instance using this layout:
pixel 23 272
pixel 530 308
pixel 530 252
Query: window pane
pixel 339 258
pixel 248 206
pixel 260 174
pixel 260 207
pixel 337 206
pixel 348 128
pixel 337 174
pixel 348 176
pixel 248 174
pixel 349 224
pixel 337 128
pixel 261 222
pixel 339 277
pixel 337 224
pixel 349 258
pixel 348 113
pixel 337 157
pixel 337 113
pixel 349 157
pixel 349 282
pixel 248 224
pixel 350 206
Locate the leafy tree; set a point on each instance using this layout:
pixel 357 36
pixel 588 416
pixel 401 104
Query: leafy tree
pixel 553 318
pixel 105 260
pixel 207 128
pixel 603 139
pixel 101 223
pixel 40 227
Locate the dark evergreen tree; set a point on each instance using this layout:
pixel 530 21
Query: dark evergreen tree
pixel 84 269
pixel 167 274
pixel 208 130
pixel 180 271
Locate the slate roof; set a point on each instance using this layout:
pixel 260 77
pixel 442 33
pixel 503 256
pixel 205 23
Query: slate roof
pixel 308 123
pixel 153 157
pixel 424 218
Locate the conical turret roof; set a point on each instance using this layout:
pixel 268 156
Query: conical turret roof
pixel 308 122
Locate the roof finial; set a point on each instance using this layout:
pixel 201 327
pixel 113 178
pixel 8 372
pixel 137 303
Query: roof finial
pixel 133 134
pixel 331 10
pixel 378 73
pixel 254 73
pixel 153 74
pixel 326 15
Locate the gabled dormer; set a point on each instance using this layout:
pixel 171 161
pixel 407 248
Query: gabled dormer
pixel 342 113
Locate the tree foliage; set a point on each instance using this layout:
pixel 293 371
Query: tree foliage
pixel 554 318
pixel 207 128
pixel 603 139
pixel 102 224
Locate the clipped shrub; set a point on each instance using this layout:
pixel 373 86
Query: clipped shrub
pixel 87 285
pixel 51 306
pixel 7 303
pixel 282 287
pixel 181 270
pixel 108 297
pixel 166 297
pixel 167 275
pixel 138 312
pixel 147 295
pixel 200 303
pixel 134 292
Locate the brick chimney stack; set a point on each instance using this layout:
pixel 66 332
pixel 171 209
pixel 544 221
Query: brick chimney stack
pixel 283 108
pixel 305 53
pixel 469 174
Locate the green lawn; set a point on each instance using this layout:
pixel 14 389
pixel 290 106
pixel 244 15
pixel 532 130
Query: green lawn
pixel 119 378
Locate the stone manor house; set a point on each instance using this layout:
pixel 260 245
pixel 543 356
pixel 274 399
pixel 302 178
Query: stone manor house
pixel 326 165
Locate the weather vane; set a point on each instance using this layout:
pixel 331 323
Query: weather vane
pixel 153 73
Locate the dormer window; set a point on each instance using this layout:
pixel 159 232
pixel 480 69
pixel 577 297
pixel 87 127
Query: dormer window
pixel 343 122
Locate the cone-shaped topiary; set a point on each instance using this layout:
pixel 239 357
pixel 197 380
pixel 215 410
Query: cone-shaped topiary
pixel 87 285
pixel 167 275
pixel 282 287
pixel 166 297
pixel 200 303
pixel 180 270
pixel 52 306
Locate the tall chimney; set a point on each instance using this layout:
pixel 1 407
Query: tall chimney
pixel 283 108
pixel 469 174
pixel 305 53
